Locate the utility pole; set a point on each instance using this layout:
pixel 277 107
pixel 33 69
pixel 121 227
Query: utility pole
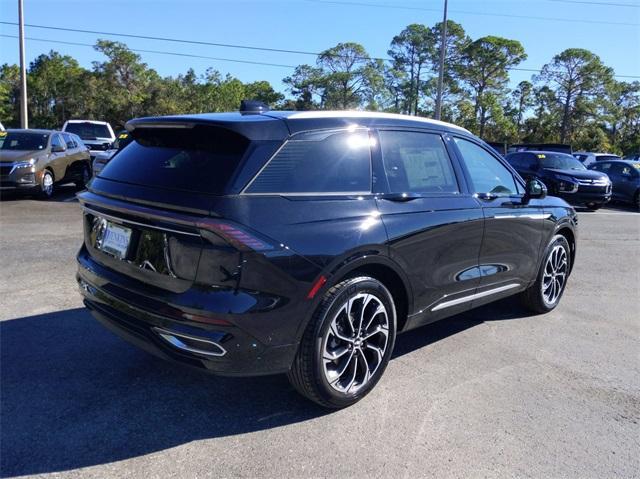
pixel 443 47
pixel 24 120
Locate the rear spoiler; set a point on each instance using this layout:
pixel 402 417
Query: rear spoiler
pixel 252 127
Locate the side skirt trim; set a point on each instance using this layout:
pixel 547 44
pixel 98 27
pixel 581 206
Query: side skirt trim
pixel 465 299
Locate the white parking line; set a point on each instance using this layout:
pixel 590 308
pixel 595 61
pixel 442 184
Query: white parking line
pixel 613 213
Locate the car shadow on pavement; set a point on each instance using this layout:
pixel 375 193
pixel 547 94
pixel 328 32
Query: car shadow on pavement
pixel 63 193
pixel 505 309
pixel 73 395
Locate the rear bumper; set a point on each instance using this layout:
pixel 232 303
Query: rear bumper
pixel 149 328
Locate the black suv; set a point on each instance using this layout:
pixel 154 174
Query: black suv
pixel 302 242
pixel 565 177
pixel 625 178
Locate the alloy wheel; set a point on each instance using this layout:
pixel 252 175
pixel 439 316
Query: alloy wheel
pixel 554 275
pixel 47 184
pixel 355 343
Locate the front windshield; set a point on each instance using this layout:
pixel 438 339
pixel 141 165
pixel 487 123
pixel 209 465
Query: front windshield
pixel 89 131
pixel 123 139
pixel 560 161
pixel 18 141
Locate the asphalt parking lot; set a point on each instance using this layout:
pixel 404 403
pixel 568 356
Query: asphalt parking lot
pixel 491 393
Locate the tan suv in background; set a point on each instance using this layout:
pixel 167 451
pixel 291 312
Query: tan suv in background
pixel 34 161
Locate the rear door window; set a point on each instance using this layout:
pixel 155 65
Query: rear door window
pixel 199 159
pixel 69 141
pixel 322 162
pixel 417 162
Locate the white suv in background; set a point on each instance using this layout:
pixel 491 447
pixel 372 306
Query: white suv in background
pixel 97 135
pixel 588 158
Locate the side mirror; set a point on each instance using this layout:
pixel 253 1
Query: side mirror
pixel 535 189
pixel 57 148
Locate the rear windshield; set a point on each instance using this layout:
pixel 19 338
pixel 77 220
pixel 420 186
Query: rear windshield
pixel 88 131
pixel 200 159
pixel 23 141
pixel 607 157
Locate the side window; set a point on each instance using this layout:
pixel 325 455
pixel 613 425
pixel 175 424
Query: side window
pixel 613 168
pixel 57 141
pixel 319 162
pixel 487 173
pixel 417 162
pixel 68 139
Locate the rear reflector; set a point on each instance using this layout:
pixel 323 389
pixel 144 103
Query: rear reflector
pixel 319 283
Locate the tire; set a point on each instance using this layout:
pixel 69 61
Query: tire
pixel 636 200
pixel 540 297
pixel 46 185
pixel 594 206
pixel 358 361
pixel 85 175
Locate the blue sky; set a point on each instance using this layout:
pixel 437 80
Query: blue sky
pixel 313 25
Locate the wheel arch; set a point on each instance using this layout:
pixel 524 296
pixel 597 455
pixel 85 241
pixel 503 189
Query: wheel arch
pixel 76 166
pixel 388 273
pixel 50 170
pixel 566 231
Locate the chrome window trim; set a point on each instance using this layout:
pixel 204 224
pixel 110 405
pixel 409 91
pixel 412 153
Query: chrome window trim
pixel 337 193
pixel 329 193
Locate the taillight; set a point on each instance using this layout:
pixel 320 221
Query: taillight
pixel 235 235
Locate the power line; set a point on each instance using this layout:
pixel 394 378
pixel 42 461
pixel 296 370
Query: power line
pixel 597 3
pixel 165 39
pixel 467 12
pixel 532 70
pixel 158 52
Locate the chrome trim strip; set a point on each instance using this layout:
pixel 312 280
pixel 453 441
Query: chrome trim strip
pixel 122 220
pixel 533 216
pixel 173 339
pixel 465 299
pixel 366 114
pixel 599 182
pixel 329 193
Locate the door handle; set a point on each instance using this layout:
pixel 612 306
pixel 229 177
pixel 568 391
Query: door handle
pixel 400 197
pixel 486 196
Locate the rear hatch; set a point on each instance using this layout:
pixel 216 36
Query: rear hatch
pixel 147 215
